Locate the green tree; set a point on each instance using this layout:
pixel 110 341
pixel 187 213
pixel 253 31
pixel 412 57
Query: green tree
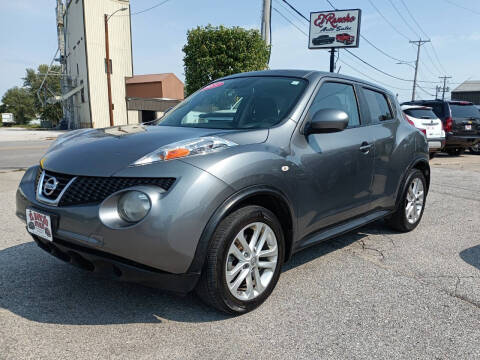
pixel 213 52
pixel 33 80
pixel 19 102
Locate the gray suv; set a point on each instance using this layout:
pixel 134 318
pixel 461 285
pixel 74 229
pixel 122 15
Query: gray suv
pixel 221 191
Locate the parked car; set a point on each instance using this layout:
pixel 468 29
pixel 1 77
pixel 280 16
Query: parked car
pixel 218 206
pixel 323 39
pixel 8 119
pixel 475 149
pixel 345 38
pixel 461 122
pixel 424 119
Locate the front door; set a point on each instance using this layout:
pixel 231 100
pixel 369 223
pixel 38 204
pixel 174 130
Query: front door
pixel 338 166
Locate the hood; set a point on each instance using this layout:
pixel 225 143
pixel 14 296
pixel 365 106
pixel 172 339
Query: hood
pixel 103 152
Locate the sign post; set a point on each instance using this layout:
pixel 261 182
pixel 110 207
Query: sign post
pixel 334 29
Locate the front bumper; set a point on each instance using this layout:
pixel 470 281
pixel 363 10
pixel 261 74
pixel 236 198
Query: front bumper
pixel 461 141
pixel 165 240
pixel 118 268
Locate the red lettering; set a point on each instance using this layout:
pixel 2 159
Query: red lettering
pixel 330 18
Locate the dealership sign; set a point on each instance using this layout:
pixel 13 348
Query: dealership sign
pixel 334 29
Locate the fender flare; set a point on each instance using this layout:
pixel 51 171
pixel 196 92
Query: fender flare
pixel 402 185
pixel 223 210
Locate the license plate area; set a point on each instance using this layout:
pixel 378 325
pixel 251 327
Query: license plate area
pixel 39 224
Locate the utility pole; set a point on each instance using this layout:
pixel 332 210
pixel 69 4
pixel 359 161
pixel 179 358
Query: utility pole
pixel 332 59
pixel 266 25
pixel 444 87
pixel 107 60
pixel 418 43
pixel 109 81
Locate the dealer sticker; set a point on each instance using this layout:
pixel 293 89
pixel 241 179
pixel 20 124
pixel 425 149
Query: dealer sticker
pixel 39 224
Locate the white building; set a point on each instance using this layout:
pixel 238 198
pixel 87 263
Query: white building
pixel 84 91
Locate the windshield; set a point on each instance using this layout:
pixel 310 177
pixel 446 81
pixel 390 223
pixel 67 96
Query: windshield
pixel 464 111
pixel 420 113
pixel 242 103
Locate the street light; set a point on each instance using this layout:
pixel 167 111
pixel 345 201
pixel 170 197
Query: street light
pixel 107 59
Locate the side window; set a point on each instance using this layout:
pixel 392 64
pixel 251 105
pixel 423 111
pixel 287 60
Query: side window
pixel 394 105
pixel 337 96
pixel 378 105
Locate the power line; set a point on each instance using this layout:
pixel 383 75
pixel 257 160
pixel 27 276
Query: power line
pixel 370 43
pixel 287 19
pixel 150 8
pixel 424 33
pixel 289 10
pixel 388 22
pixel 404 20
pixel 298 12
pixel 371 78
pixel 462 7
pixel 352 54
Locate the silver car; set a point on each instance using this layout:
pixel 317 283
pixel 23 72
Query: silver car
pixel 269 164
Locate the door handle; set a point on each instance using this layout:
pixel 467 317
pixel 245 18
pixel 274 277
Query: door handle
pixel 365 147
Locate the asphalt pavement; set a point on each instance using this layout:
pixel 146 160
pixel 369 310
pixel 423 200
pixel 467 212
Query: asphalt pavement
pixel 372 293
pixel 21 148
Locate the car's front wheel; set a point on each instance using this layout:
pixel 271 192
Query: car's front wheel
pixel 412 203
pixel 244 260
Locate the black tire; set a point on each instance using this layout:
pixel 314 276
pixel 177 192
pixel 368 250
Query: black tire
pixel 431 156
pixel 212 287
pixel 455 152
pixel 398 220
pixel 475 149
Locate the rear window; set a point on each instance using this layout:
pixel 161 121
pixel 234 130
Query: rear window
pixel 420 113
pixel 464 111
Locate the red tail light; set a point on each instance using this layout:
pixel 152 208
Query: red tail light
pixel 448 124
pixel 409 120
pixel 424 131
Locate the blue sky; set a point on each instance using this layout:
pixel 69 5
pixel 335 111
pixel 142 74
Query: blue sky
pixel 28 37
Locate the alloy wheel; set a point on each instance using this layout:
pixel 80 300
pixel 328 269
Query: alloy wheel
pixel 414 201
pixel 251 261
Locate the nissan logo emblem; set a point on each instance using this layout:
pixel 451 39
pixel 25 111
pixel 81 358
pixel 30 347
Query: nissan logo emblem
pixel 50 185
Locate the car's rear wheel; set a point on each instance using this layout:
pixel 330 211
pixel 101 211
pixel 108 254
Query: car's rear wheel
pixel 411 205
pixel 475 149
pixel 244 260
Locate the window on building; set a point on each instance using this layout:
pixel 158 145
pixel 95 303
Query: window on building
pixel 82 95
pixel 78 71
pixel 110 63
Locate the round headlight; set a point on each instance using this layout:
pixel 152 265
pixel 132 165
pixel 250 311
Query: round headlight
pixel 133 206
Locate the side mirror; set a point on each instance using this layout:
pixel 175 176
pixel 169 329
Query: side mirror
pixel 327 121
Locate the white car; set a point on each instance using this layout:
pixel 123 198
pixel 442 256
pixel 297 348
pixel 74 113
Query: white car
pixel 424 119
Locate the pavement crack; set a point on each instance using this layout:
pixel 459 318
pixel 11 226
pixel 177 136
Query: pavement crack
pixel 365 247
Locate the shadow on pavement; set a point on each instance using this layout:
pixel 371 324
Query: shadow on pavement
pixel 39 287
pixel 472 256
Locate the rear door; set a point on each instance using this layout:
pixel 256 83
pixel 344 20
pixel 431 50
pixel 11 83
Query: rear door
pixel 384 118
pixel 466 119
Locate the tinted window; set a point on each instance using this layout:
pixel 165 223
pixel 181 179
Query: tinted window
pixel 337 96
pixel 438 109
pixel 420 113
pixel 464 111
pixel 243 103
pixel 378 106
